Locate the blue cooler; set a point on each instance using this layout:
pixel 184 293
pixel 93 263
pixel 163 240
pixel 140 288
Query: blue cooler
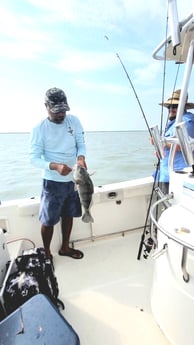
pixel 36 322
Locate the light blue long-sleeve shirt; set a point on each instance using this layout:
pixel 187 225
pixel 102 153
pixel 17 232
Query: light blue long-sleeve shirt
pixel 57 143
pixel 179 162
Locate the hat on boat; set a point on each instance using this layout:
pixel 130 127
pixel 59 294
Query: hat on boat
pixel 174 99
pixel 56 100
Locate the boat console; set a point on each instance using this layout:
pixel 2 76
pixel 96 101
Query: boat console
pixel 173 281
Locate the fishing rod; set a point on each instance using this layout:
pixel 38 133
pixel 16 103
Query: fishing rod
pixel 148 245
pixel 133 88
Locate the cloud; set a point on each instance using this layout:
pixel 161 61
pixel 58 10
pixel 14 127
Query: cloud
pixel 21 50
pixel 103 14
pixel 83 11
pixel 63 42
pixel 42 33
pixel 102 87
pixel 19 26
pixel 148 73
pixel 78 61
pixel 19 36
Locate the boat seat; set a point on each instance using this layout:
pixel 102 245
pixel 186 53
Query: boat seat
pixel 37 321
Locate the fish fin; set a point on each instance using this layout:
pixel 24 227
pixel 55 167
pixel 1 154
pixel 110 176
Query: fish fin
pixel 92 173
pixel 87 217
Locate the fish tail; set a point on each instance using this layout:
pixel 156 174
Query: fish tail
pixel 87 217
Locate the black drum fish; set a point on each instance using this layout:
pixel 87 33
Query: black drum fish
pixel 85 190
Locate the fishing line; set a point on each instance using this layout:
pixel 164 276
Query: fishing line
pixel 164 72
pixel 133 88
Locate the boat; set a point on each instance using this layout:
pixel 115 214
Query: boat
pixel 135 284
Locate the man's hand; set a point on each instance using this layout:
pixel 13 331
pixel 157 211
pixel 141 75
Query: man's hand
pixel 62 169
pixel 81 161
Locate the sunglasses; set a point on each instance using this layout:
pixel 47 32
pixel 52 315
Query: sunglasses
pixel 173 106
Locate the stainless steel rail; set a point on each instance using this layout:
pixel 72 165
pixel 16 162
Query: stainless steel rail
pixel 164 231
pixel 185 245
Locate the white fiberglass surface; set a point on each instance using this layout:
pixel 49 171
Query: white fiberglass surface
pixel 107 293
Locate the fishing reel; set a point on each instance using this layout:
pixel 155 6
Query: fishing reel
pixel 148 247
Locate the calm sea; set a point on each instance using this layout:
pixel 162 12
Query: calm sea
pixel 113 156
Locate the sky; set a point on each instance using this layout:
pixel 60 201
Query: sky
pixel 73 45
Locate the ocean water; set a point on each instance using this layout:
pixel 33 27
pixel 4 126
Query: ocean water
pixel 111 157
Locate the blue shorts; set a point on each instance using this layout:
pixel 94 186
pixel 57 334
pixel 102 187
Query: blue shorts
pixel 58 199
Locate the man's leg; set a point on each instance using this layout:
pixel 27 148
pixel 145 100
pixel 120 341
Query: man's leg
pixel 47 234
pixel 66 228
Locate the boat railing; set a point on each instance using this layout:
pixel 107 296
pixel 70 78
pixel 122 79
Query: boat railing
pixel 163 230
pixel 160 142
pixel 185 245
pixel 183 25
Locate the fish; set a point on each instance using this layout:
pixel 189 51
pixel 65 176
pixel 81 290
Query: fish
pixel 85 190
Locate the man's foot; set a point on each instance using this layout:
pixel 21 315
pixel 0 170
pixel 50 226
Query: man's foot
pixel 48 254
pixel 73 253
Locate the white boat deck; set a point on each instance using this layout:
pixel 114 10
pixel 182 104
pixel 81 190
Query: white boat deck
pixel 107 293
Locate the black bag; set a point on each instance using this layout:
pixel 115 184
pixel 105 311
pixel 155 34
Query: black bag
pixel 35 275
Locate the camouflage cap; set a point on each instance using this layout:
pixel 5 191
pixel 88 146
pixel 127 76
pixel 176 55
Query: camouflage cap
pixel 56 100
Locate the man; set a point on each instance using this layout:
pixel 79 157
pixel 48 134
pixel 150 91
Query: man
pixel 179 163
pixel 56 144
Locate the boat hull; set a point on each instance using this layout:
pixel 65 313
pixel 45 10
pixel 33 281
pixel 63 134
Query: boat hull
pixel 172 297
